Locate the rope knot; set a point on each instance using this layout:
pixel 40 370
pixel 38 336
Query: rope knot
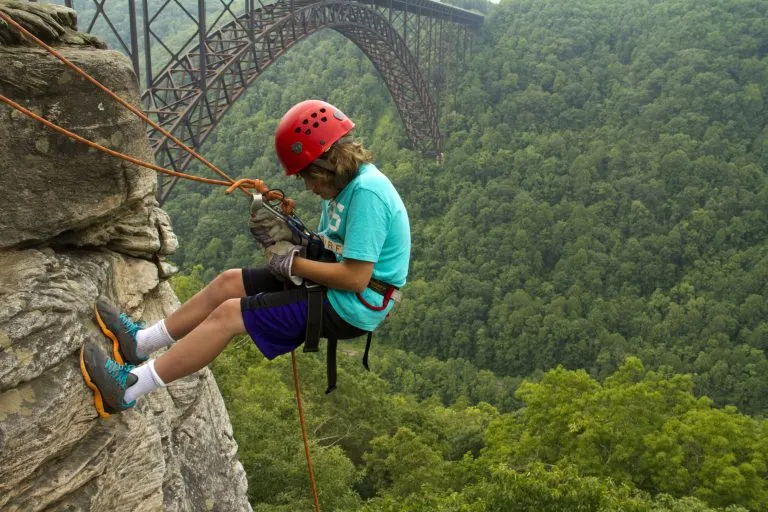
pixel 248 183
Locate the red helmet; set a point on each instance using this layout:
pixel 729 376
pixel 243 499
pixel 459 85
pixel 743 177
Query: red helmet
pixel 306 131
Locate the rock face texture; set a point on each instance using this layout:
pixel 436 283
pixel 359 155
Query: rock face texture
pixel 76 224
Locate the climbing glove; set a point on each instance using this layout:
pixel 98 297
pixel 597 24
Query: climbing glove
pixel 280 257
pixel 268 229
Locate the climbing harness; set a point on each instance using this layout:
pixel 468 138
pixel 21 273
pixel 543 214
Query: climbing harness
pixel 320 248
pixel 286 205
pixel 315 297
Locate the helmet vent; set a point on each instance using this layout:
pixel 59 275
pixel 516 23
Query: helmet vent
pixel 306 121
pixel 315 124
pixel 324 119
pixel 307 132
pixel 322 110
pixel 297 130
pixel 314 115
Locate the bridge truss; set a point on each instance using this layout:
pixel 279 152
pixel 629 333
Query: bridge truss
pixel 189 85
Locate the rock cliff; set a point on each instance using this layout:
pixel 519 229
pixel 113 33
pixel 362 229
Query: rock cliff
pixel 76 224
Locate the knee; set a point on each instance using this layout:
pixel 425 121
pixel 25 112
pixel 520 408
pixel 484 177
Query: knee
pixel 228 315
pixel 230 283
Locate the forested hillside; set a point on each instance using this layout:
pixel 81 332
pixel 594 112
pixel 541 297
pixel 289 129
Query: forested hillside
pixel 605 194
pixel 604 191
pixel 596 238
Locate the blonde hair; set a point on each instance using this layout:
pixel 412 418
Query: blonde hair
pixel 342 159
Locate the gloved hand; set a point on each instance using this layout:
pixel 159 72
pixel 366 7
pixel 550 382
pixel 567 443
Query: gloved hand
pixel 280 257
pixel 268 229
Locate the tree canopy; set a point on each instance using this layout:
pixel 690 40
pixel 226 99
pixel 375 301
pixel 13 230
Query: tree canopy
pixel 586 321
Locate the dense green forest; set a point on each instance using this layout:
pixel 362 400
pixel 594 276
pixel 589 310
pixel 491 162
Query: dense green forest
pixel 586 319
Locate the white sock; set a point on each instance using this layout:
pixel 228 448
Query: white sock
pixel 148 381
pixel 152 338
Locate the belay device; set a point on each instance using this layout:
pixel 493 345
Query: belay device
pixel 311 241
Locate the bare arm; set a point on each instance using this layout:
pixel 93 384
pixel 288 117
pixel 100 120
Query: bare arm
pixel 350 275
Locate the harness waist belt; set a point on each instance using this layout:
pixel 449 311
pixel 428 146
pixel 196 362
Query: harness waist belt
pixel 315 298
pixel 381 288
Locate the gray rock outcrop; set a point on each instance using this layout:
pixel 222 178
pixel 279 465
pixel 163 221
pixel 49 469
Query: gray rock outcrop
pixel 76 224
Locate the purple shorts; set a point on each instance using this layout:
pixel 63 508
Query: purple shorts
pixel 276 317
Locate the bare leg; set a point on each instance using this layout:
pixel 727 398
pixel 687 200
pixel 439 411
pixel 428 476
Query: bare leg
pixel 227 285
pixel 203 343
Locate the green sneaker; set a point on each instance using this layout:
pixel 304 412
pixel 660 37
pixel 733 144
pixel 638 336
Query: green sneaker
pixel 119 328
pixel 107 378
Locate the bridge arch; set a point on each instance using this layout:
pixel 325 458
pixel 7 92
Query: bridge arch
pixel 190 104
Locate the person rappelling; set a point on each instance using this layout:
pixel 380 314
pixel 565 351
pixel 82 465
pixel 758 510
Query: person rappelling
pixel 338 283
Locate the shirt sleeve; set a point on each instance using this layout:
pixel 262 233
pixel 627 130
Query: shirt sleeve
pixel 367 226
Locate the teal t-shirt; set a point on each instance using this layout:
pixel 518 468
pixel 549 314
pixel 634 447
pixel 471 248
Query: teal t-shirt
pixel 368 221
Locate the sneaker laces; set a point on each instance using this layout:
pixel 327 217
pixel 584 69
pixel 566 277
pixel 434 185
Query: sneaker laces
pixel 119 372
pixel 131 327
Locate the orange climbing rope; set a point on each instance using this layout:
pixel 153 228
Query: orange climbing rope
pixel 286 204
pixel 304 429
pixel 108 151
pixel 114 96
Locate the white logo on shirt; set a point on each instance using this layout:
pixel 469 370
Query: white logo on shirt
pixel 335 209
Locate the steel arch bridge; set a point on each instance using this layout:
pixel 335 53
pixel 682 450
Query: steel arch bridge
pixel 188 89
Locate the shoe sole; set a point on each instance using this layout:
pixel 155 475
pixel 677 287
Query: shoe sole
pixel 98 401
pixel 117 356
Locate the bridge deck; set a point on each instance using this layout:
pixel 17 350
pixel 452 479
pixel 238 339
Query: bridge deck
pixel 431 8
